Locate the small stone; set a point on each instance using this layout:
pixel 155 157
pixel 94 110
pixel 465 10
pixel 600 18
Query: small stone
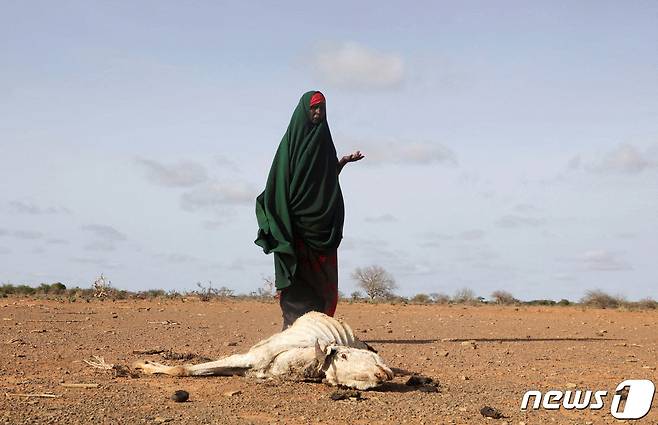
pixel 571 385
pixel 442 353
pixel 491 412
pixel 345 394
pixel 161 420
pixel 232 393
pixel 230 343
pixel 464 378
pixel 180 396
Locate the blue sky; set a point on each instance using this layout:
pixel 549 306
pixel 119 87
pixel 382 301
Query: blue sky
pixel 508 146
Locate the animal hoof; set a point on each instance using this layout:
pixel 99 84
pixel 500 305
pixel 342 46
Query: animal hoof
pixel 180 396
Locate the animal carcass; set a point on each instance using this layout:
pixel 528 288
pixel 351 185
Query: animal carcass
pixel 315 347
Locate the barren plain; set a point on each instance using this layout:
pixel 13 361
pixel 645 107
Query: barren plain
pixel 480 356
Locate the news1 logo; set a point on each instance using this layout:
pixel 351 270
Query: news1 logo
pixel 632 399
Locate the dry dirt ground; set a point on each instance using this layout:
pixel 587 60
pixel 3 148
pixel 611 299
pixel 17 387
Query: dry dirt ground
pixel 43 345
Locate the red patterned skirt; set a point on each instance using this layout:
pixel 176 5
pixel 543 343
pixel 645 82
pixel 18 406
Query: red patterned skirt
pixel 315 285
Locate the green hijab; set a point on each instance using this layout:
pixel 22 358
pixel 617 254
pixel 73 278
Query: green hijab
pixel 302 199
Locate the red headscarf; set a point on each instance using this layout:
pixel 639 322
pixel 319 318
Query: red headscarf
pixel 317 98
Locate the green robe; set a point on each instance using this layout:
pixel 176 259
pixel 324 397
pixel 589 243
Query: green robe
pixel 302 198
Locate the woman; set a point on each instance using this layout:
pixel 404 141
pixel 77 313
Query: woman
pixel 300 213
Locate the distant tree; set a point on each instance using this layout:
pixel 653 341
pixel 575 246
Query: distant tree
pixel 58 287
pixel 356 295
pixel 503 297
pixel 464 296
pixel 375 281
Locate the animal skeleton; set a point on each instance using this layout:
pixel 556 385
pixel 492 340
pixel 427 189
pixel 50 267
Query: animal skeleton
pixel 316 346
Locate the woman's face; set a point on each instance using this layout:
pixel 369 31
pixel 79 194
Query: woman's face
pixel 316 113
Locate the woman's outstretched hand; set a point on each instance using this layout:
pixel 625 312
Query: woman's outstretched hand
pixel 356 156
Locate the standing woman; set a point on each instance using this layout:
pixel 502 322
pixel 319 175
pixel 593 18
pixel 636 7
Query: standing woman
pixel 300 213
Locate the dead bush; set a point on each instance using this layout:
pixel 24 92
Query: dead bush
pixel 503 298
pixel 421 299
pixel 643 304
pixel 465 296
pixel 598 298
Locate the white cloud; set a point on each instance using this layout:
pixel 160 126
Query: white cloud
pixel 105 233
pixel 96 262
pixel 100 246
pixel 26 207
pixel 525 208
pixel 385 218
pixel 408 153
pixel 176 258
pixel 602 260
pixel 354 66
pixel 182 174
pixel 574 163
pixel 227 163
pixel 623 159
pixel 471 235
pixel 57 241
pixel 218 194
pixel 27 234
pixel 476 254
pixel 22 234
pixel 626 159
pixel 513 221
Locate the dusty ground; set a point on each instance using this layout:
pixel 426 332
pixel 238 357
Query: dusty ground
pixel 43 343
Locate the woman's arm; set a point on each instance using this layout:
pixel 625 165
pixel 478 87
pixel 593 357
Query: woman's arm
pixel 356 156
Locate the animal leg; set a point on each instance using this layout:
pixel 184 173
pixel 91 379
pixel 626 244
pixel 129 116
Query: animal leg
pixel 237 364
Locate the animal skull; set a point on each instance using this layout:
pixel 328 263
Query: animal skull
pixel 351 367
